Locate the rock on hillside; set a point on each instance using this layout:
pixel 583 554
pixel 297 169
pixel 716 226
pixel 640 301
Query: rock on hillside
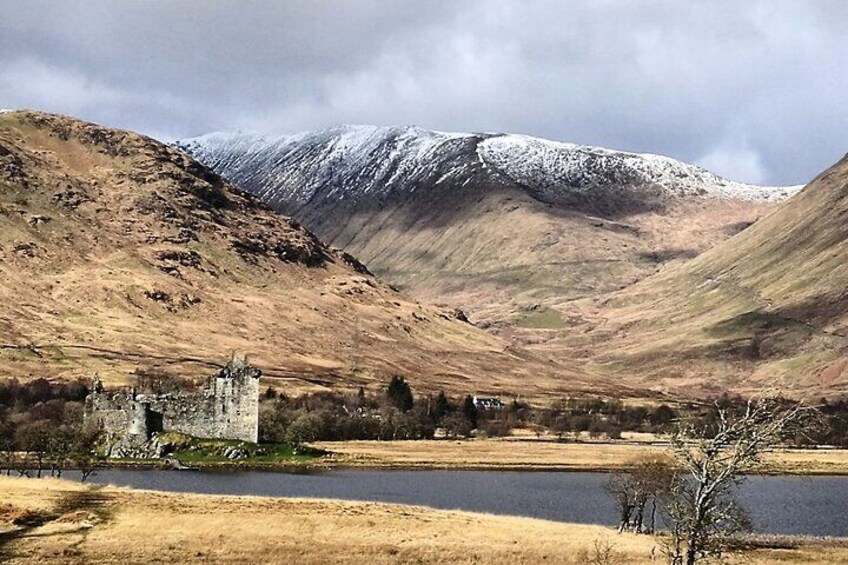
pixel 119 253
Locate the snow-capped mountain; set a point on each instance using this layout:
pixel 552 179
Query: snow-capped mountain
pixel 356 162
pixel 505 227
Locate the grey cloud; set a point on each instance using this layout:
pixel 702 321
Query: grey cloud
pixel 752 90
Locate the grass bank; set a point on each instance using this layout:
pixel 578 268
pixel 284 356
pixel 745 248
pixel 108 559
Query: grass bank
pixel 540 455
pixel 504 454
pixel 53 521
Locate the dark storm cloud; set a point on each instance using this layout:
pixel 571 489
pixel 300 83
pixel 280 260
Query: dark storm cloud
pixel 753 90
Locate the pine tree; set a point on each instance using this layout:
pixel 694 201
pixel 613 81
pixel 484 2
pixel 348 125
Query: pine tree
pixel 470 410
pixel 441 407
pixel 399 394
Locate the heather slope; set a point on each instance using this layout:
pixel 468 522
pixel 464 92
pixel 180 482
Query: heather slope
pixel 768 307
pixel 118 252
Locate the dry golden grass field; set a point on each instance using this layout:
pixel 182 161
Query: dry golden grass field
pixel 65 522
pixel 531 454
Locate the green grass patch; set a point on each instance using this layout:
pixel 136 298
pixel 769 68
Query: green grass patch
pixel 745 325
pixel 194 450
pixel 542 319
pixel 795 366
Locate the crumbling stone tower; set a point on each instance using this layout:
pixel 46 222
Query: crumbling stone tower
pixel 235 390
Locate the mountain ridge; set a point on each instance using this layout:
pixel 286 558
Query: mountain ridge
pixel 501 226
pixel 547 162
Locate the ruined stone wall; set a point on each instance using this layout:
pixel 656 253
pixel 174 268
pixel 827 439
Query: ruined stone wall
pixel 227 408
pixel 121 414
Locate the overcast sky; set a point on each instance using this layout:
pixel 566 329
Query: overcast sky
pixel 753 90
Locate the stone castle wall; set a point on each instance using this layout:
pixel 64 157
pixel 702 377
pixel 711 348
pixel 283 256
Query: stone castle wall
pixel 226 408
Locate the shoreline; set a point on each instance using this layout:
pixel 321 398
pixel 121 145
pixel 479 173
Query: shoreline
pixel 495 455
pixel 55 520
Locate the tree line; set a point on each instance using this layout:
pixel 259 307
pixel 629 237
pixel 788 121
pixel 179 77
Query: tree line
pixel 395 413
pixel 42 428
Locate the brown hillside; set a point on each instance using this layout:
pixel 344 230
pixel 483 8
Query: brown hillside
pixel 512 261
pixel 768 307
pixel 119 253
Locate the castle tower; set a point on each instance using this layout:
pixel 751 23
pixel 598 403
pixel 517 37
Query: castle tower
pixel 235 391
pixel 139 417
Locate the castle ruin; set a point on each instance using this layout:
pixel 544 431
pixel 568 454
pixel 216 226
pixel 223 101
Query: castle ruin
pixel 226 408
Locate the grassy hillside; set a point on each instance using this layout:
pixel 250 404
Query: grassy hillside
pixel 497 225
pixel 766 308
pixel 118 253
pixel 499 254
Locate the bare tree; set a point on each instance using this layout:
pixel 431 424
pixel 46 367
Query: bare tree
pixel 84 454
pixel 621 488
pixel 703 515
pixel 652 476
pixel 34 439
pixel 60 445
pixel 7 453
pixel 637 491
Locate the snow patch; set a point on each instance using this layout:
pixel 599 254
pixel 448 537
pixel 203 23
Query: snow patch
pixel 356 161
pixel 552 166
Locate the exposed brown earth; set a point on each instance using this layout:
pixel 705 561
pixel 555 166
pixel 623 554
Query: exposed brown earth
pixel 118 252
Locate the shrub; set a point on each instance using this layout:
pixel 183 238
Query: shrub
pixel 496 428
pixel 470 411
pixel 303 430
pixel 441 407
pixel 456 425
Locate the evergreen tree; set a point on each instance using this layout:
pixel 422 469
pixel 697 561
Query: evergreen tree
pixel 441 407
pixel 399 394
pixel 470 410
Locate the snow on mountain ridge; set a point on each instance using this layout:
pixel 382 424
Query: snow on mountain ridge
pixel 352 162
pixel 552 164
pixel 341 162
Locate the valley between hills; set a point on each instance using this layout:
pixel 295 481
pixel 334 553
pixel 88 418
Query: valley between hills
pixel 423 283
pixel 120 254
pixel 125 257
pixel 505 265
pixel 638 268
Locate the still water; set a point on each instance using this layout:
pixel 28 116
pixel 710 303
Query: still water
pixel 778 505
